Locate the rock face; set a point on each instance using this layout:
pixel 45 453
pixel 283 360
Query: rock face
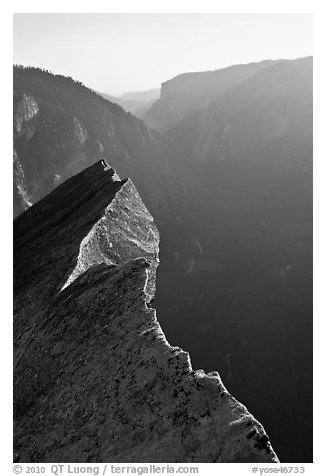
pixel 95 378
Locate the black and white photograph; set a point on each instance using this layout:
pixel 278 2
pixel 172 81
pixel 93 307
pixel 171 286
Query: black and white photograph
pixel 162 241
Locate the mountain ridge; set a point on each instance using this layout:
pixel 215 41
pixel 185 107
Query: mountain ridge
pixel 199 89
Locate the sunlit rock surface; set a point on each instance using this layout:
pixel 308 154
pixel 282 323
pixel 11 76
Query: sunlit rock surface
pixel 95 378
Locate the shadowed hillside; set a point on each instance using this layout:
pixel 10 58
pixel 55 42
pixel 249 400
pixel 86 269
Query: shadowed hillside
pixel 60 127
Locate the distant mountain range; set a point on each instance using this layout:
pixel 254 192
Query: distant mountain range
pixel 141 96
pixel 224 164
pixel 136 102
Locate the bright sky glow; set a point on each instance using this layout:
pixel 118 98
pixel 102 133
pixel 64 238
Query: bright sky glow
pixel 114 52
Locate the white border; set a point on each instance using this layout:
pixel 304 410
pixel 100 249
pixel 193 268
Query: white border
pixel 319 186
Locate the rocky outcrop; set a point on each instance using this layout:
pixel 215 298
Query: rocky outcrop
pixel 21 196
pixel 95 378
pixel 25 108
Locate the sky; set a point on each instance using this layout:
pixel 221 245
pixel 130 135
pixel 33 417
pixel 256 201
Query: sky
pixel 119 52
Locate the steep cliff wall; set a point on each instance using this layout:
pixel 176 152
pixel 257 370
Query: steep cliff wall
pixel 190 92
pixel 95 378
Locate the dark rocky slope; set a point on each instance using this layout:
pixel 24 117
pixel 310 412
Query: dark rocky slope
pixel 61 127
pixel 95 378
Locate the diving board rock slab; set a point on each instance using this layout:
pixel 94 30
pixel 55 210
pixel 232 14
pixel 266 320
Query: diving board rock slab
pixel 95 379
